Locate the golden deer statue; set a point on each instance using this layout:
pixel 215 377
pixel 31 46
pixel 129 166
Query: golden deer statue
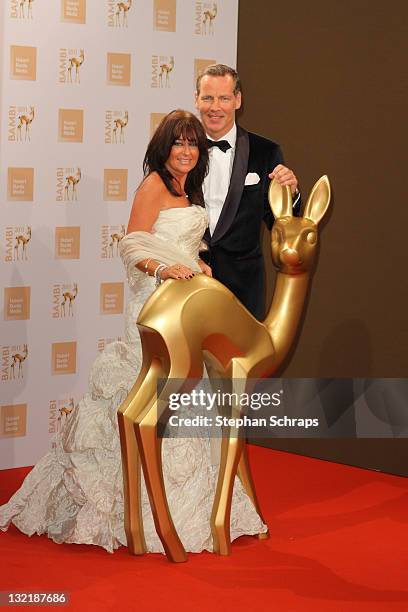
pixel 177 340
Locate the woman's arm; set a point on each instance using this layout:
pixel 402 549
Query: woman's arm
pixel 146 207
pixel 146 204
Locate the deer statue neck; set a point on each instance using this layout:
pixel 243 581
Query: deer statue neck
pixel 286 309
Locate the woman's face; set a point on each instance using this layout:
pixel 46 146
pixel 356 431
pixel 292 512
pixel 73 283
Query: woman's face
pixel 183 156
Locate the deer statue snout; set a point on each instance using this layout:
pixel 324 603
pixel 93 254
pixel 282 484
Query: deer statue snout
pixel 290 257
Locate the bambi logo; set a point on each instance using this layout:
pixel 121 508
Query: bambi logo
pixel 17 359
pixel 62 295
pixel 16 239
pixel 70 60
pixel 71 182
pixel 70 125
pixel 67 242
pixel 69 296
pixel 67 184
pixel 13 419
pixel 155 119
pixel 111 235
pixel 23 63
pixel 18 9
pixel 59 410
pixel 164 15
pixel 12 359
pixel 115 123
pixel 103 342
pixel 208 16
pixel 20 119
pixel 63 358
pixel 73 11
pixel 17 303
pixel 115 184
pixel 118 69
pixel 20 184
pixel 111 298
pixel 21 242
pixel 162 66
pixel 200 65
pixel 117 13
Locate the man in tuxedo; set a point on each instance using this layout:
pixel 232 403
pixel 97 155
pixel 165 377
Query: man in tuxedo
pixel 236 188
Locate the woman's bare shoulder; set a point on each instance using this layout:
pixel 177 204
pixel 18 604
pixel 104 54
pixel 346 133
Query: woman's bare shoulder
pixel 152 184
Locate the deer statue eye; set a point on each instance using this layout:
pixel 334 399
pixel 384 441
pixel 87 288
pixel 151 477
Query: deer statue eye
pixel 311 237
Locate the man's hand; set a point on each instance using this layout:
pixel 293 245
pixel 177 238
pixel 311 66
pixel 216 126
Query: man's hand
pixel 205 269
pixel 284 176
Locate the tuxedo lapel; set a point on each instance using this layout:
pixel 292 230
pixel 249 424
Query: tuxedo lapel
pixel 236 187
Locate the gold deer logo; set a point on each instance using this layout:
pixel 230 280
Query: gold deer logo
pixel 69 297
pixel 22 241
pixel 25 120
pixel 18 358
pixel 66 410
pixel 235 348
pixel 209 15
pixel 71 182
pixel 77 62
pixel 115 239
pixel 21 13
pixel 166 69
pixel 122 8
pixel 120 124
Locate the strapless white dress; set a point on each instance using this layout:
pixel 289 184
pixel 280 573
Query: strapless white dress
pixel 74 494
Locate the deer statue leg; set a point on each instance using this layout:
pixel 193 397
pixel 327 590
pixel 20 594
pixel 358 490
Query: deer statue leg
pixel 231 449
pixel 150 451
pixel 140 395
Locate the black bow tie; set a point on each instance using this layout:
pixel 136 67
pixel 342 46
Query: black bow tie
pixel 224 145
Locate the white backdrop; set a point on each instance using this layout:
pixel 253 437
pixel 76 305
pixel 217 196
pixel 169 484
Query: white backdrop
pixel 84 83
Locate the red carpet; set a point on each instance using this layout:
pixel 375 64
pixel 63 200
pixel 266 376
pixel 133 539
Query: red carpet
pixel 339 542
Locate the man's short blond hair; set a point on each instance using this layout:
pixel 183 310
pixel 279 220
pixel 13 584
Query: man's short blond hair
pixel 220 70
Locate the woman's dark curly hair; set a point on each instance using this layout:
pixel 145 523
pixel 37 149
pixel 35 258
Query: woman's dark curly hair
pixel 175 125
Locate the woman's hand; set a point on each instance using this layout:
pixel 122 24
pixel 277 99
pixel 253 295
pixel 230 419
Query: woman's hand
pixel 177 271
pixel 205 269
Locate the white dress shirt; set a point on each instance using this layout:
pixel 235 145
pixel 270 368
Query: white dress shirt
pixel 216 183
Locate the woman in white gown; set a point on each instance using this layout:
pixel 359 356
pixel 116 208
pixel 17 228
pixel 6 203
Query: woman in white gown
pixel 74 493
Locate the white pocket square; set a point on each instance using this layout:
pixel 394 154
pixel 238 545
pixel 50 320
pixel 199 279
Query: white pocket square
pixel 252 178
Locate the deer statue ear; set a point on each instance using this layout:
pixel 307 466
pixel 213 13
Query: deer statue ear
pixel 318 201
pixel 280 200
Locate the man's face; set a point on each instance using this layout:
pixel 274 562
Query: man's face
pixel 217 104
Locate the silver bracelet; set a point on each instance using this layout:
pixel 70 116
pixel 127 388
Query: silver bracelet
pixel 146 264
pixel 156 274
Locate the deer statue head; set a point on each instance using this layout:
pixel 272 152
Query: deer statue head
pixel 294 239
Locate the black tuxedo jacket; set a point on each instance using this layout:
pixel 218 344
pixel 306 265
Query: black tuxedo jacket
pixel 234 253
